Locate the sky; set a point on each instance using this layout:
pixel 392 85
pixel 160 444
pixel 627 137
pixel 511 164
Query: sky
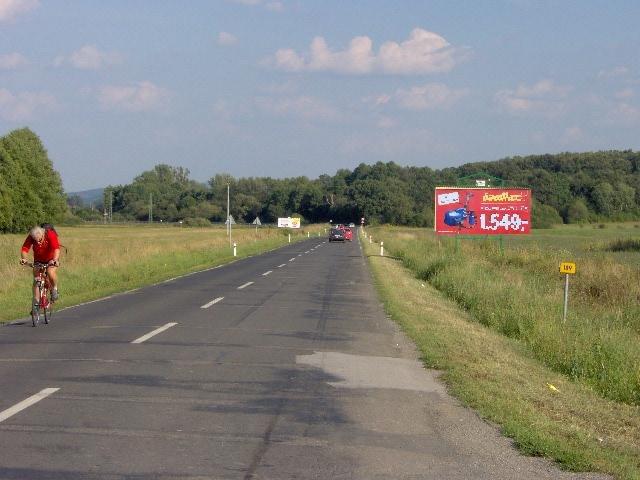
pixel 286 88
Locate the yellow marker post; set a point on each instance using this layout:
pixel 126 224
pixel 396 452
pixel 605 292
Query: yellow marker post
pixel 567 268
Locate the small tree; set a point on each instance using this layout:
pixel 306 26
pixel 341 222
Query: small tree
pixel 577 212
pixel 545 216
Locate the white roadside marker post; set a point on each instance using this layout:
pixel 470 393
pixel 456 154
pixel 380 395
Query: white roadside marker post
pixel 567 268
pixel 234 249
pixel 370 239
pixel 308 234
pixel 289 238
pixel 382 249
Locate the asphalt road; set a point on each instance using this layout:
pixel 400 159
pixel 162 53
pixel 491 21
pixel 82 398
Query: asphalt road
pixel 279 366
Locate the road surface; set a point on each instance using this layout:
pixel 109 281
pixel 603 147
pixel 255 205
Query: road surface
pixel 280 366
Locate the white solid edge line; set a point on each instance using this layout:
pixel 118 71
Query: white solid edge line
pixel 155 332
pixel 245 285
pixel 283 265
pixel 41 395
pixel 267 273
pixel 212 302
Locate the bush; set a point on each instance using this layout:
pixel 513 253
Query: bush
pixel 545 216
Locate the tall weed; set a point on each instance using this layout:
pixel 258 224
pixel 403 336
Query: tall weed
pixel 519 293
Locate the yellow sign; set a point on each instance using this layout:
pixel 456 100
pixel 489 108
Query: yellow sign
pixel 568 268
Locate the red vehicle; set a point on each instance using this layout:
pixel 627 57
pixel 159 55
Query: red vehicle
pixel 348 234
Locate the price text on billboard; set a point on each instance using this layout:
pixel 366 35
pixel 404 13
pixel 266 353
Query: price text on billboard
pixel 482 211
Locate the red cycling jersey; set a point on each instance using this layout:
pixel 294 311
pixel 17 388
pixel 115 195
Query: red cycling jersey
pixel 43 251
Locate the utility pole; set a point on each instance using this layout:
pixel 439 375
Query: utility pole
pixel 151 208
pixel 228 217
pixel 110 206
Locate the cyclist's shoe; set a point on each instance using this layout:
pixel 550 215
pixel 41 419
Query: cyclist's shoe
pixel 54 295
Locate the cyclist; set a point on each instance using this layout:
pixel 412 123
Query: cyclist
pixel 46 249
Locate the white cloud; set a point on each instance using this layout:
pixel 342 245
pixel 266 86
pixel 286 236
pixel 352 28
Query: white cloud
pixel 10 9
pixel 25 105
pixel 423 53
pixel 226 39
pixel 305 107
pixel 625 94
pixel 386 122
pixel 572 135
pixel 12 61
pixel 89 58
pixel 424 97
pixel 273 5
pixel 544 97
pixel 624 113
pixel 395 142
pixel 287 88
pixel 141 96
pixel 620 71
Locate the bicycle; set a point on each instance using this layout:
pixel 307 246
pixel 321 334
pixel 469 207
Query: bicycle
pixel 43 303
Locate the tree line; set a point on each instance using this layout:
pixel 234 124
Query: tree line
pixel 567 187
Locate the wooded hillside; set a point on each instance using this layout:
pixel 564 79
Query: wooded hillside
pixel 569 187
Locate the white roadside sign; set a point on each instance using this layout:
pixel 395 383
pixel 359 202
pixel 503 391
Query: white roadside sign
pixel 289 222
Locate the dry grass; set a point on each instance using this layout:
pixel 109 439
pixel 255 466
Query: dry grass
pixel 104 259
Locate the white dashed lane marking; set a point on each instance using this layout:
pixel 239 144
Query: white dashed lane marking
pixel 155 332
pixel 267 273
pixel 245 285
pixel 212 302
pixel 18 407
pixel 283 265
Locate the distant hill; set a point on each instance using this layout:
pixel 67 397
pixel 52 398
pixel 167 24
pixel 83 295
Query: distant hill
pixel 94 196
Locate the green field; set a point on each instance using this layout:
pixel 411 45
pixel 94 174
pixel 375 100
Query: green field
pixel 102 260
pixel 492 319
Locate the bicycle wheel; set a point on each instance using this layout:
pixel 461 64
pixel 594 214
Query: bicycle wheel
pixel 48 311
pixel 35 315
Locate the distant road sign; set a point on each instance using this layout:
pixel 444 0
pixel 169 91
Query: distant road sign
pixel 568 268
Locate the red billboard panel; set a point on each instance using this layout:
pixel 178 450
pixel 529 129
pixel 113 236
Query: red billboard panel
pixel 483 211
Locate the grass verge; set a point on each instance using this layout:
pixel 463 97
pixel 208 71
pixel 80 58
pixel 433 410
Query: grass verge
pixel 102 260
pixel 543 411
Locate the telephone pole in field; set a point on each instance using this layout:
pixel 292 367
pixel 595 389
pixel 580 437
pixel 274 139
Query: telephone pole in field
pixel 228 217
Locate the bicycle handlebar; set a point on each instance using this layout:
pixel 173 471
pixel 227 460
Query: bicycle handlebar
pixel 39 265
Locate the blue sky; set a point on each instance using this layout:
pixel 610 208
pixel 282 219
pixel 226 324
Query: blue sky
pixel 292 87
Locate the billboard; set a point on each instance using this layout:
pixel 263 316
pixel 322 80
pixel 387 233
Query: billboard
pixel 482 211
pixel 288 222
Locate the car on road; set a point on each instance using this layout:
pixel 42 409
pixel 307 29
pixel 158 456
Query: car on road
pixel 336 235
pixel 352 225
pixel 348 234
